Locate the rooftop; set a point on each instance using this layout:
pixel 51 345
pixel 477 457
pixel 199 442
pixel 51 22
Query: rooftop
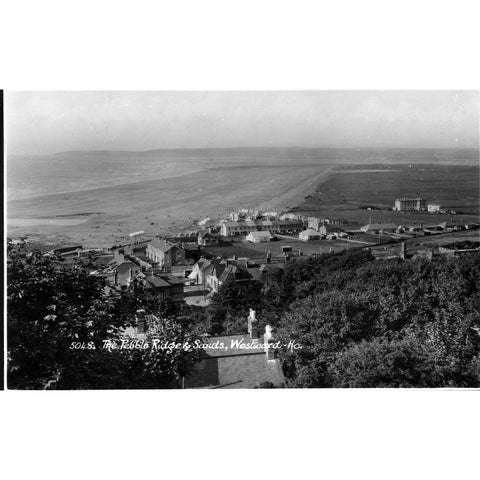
pixel 162 245
pixel 125 267
pixel 264 233
pixel 156 282
pixel 228 273
pixel 409 199
pixel 232 367
pixel 263 223
pixel 379 226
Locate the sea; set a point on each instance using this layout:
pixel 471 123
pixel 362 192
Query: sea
pixel 30 176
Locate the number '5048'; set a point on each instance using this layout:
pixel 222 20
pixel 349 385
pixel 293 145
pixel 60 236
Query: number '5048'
pixel 82 346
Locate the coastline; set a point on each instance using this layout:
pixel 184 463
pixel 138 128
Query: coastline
pixel 163 206
pixel 121 184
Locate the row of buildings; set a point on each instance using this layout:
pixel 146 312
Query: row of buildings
pixel 237 228
pixel 263 227
pixel 329 232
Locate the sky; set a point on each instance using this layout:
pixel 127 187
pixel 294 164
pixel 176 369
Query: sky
pixel 49 122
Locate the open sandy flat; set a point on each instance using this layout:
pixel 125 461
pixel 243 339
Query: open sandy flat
pixel 164 205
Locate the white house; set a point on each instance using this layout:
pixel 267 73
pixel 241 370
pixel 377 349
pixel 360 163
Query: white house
pixel 327 228
pixel 309 234
pixel 433 208
pixel 257 237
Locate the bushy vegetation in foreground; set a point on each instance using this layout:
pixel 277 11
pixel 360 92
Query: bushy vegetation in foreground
pixel 360 323
pixel 60 320
pixel 365 323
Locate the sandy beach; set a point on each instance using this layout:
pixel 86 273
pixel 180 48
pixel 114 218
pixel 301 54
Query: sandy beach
pixel 105 216
pixel 99 198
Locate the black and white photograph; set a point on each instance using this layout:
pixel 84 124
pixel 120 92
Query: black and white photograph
pixel 243 239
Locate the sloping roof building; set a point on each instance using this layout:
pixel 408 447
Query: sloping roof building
pixel 217 272
pixel 127 276
pixel 309 234
pixel 327 228
pixel 165 253
pixel 207 239
pixel 258 237
pixel 245 361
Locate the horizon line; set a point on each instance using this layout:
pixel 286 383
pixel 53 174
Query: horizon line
pixel 263 147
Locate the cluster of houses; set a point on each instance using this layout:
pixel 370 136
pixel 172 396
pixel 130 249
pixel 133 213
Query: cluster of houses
pixel 165 266
pixel 168 267
pixel 214 273
pixel 130 269
pixel 321 228
pixel 264 227
pixel 162 267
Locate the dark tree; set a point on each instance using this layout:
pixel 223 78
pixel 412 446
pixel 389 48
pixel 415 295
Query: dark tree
pixel 58 319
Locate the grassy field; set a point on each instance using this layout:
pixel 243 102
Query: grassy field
pixel 357 217
pixel 236 249
pixel 350 187
pixel 242 248
pixel 446 238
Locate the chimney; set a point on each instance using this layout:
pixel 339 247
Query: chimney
pixel 141 322
pixel 268 340
pixel 252 325
pixel 119 255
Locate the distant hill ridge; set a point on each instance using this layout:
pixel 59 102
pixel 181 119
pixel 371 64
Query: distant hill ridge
pixel 189 149
pixel 471 151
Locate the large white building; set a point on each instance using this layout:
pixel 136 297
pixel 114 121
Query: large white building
pixel 409 204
